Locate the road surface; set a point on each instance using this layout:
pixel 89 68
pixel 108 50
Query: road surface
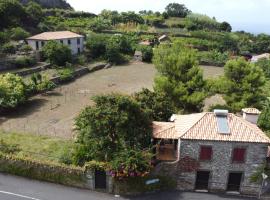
pixel 17 188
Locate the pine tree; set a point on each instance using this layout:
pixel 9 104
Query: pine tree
pixel 180 77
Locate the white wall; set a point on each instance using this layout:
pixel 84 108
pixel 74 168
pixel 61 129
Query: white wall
pixel 73 46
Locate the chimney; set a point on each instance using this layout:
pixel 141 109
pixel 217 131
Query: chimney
pixel 251 115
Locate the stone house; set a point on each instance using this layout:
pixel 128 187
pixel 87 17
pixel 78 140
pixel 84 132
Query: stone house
pixel 213 151
pixel 73 40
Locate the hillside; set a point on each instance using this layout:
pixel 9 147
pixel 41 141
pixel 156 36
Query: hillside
pixel 51 3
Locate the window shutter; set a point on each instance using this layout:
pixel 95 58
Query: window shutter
pixel 206 153
pixel 239 155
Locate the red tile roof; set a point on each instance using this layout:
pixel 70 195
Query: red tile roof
pixel 58 35
pixel 203 126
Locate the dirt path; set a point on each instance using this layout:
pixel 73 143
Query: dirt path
pixel 53 114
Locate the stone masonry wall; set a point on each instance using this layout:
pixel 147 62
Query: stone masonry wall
pixel 221 164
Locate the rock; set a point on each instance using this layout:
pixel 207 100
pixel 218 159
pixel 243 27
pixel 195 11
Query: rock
pixel 107 66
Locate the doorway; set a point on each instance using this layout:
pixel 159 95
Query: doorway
pixel 100 179
pixel 202 180
pixel 234 182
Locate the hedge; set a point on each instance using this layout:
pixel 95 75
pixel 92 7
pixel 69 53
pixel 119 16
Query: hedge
pixel 44 171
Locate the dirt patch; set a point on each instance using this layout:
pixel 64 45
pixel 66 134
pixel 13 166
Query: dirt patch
pixel 53 114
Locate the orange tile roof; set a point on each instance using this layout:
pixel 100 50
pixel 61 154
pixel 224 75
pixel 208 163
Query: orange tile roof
pixel 58 35
pixel 203 126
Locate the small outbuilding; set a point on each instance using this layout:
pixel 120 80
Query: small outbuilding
pixel 73 40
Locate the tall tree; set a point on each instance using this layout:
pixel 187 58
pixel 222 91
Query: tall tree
pixel 264 118
pixel 177 10
pixel 243 85
pixel 180 77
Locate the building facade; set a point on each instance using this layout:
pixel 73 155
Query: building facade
pixel 74 41
pixel 217 152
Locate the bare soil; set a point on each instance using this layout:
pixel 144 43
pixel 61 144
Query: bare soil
pixel 53 113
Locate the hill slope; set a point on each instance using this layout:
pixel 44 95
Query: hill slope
pixel 51 3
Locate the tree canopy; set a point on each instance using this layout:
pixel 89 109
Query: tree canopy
pixel 177 10
pixel 243 85
pixel 114 124
pixel 180 77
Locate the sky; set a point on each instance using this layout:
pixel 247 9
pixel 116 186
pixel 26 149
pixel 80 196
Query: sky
pixel 248 15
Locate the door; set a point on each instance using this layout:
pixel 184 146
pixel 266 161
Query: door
pixel 100 179
pixel 234 182
pixel 202 180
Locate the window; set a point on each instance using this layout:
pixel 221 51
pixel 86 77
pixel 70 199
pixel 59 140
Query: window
pixel 206 153
pixel 78 41
pixel 79 50
pixel 61 41
pixel 239 155
pixel 42 43
pixel 69 42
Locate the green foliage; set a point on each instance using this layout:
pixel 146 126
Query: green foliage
pixel 99 24
pixel 96 45
pixel 66 74
pixel 264 64
pixel 264 118
pixel 35 13
pixel 147 53
pixel 11 13
pixel 9 48
pixel 262 43
pixel 180 77
pixel 177 10
pixel 25 61
pixel 213 57
pixel 39 83
pixel 225 26
pixel 26 48
pixel 243 85
pixel 201 22
pixel 12 91
pixel 18 34
pixel 158 104
pixel 256 177
pixel 115 123
pixel 95 165
pixel 57 53
pixel 131 163
pixel 8 148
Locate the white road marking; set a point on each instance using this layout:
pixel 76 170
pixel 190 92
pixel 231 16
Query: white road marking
pixel 18 195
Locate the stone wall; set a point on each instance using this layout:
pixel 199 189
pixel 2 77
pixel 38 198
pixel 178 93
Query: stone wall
pixel 221 165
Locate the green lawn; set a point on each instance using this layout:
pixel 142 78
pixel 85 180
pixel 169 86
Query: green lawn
pixel 41 148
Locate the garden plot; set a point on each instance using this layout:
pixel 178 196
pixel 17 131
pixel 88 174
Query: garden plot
pixel 53 113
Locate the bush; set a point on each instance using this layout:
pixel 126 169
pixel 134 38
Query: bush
pixel 96 44
pixel 57 53
pixel 24 61
pixel 8 148
pixel 9 48
pixel 66 74
pixel 18 34
pixel 39 83
pixel 113 53
pixel 26 48
pixel 12 91
pixel 147 53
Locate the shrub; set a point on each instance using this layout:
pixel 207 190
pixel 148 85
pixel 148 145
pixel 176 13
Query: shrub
pixel 147 53
pixel 39 83
pixel 96 44
pixel 12 91
pixel 26 48
pixel 9 48
pixel 57 53
pixel 24 61
pixel 8 148
pixel 66 74
pixel 18 33
pixel 113 53
pixel 99 24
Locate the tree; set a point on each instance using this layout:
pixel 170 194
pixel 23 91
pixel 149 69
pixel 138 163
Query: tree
pixel 57 53
pixel 11 13
pixel 264 64
pixel 180 77
pixel 100 24
pixel 18 33
pixel 177 10
pixel 12 91
pixel 34 12
pixel 147 53
pixel 243 85
pixel 114 124
pixel 158 104
pixel 264 118
pixel 262 43
pixel 225 26
pixel 96 44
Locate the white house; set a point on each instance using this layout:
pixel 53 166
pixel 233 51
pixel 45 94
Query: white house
pixel 73 40
pixel 256 58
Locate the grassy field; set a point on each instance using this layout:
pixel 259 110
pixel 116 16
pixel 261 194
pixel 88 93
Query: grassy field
pixel 37 147
pixel 53 113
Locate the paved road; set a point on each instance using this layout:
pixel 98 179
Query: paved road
pixel 17 188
